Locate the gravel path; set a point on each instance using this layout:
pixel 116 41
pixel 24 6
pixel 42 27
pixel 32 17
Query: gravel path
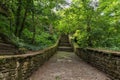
pixel 67 66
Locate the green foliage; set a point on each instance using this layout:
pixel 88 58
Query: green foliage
pixel 80 38
pixel 22 50
pixel 16 41
pixel 98 23
pixel 29 23
pixel 4 25
pixel 35 24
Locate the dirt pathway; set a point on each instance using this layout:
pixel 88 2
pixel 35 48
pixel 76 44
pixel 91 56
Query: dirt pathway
pixel 67 66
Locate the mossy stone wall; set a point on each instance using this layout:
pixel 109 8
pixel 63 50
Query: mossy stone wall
pixel 106 61
pixel 20 67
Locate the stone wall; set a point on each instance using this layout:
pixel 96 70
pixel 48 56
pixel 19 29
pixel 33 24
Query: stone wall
pixel 106 61
pixel 20 67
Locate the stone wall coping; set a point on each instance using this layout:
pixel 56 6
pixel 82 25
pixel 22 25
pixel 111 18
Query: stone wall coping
pixel 107 52
pixel 28 54
pixel 105 60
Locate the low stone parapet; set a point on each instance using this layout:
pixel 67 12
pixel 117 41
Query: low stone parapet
pixel 20 67
pixel 106 61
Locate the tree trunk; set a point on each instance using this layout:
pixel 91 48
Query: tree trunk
pixel 10 25
pixel 18 15
pixel 89 41
pixel 23 23
pixel 34 35
pixel 34 27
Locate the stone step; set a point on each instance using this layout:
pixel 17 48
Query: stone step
pixel 64 48
pixel 6 48
pixel 64 41
pixel 7 52
pixel 4 44
pixel 1 40
pixel 65 44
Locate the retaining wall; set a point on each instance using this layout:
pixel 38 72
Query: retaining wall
pixel 20 67
pixel 106 61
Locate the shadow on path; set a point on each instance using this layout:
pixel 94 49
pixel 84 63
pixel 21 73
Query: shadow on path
pixel 67 66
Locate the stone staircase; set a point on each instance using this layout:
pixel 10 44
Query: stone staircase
pixel 64 44
pixel 7 49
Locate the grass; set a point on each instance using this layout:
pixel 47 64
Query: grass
pixel 57 77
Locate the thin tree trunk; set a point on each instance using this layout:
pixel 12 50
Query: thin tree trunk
pixel 34 35
pixel 18 15
pixel 89 41
pixel 10 18
pixel 34 27
pixel 10 25
pixel 24 18
pixel 23 23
